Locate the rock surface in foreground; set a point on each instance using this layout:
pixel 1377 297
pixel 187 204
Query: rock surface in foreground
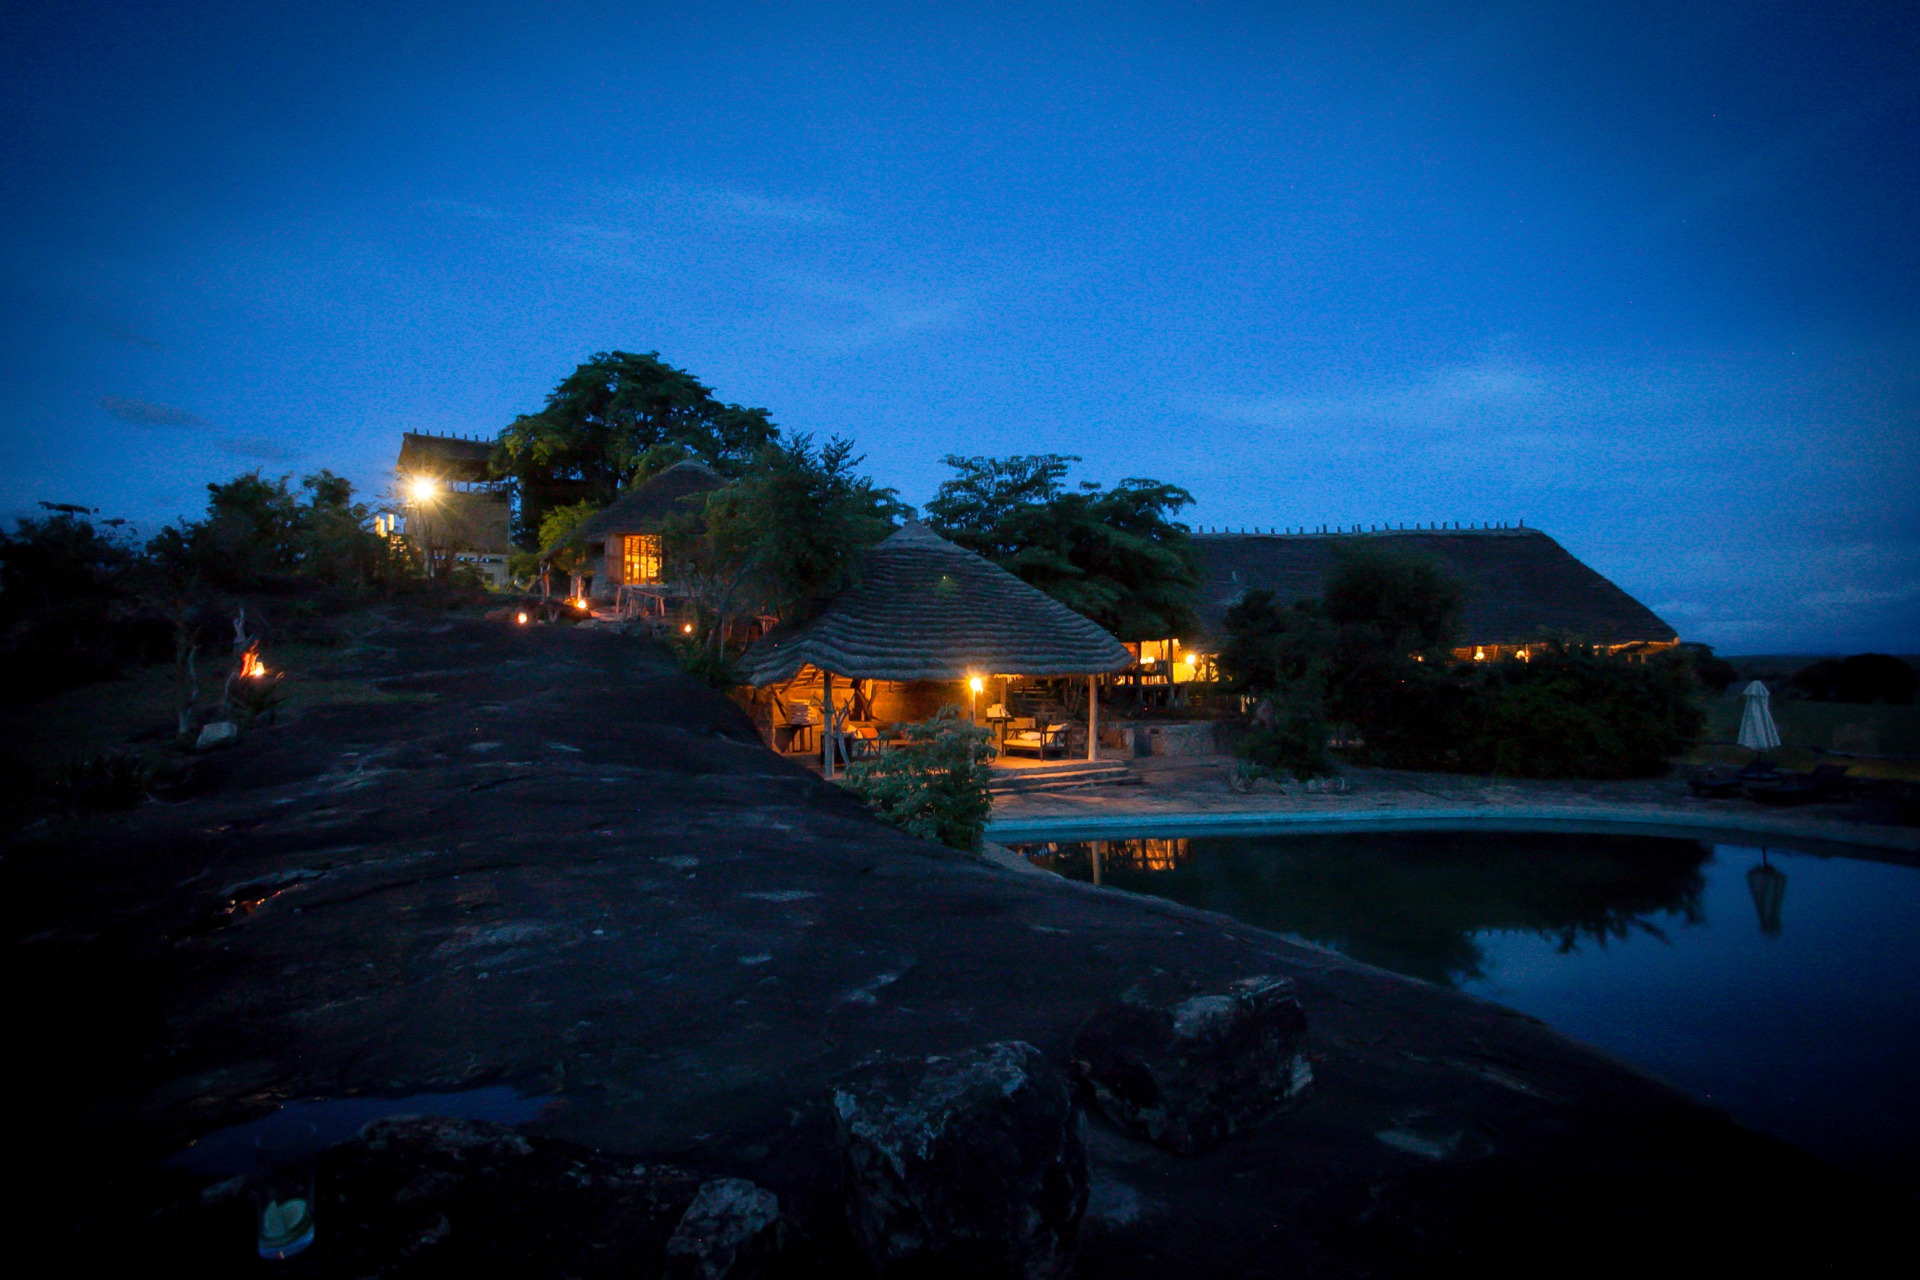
pixel 1186 1066
pixel 730 1232
pixel 967 1164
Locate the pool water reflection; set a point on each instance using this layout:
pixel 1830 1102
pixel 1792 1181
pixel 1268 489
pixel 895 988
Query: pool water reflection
pixel 1783 987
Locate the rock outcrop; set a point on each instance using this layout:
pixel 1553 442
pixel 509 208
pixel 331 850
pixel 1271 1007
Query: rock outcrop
pixel 1187 1066
pixel 730 1232
pixel 967 1164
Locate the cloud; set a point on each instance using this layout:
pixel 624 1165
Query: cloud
pixel 257 447
pixel 1857 596
pixel 464 209
pixel 1439 398
pixel 148 414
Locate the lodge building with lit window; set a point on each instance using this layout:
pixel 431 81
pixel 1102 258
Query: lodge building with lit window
pixel 626 563
pixel 1522 587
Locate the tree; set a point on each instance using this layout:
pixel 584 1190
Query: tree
pixel 1279 657
pixel 1115 555
pixel 617 420
pixel 778 540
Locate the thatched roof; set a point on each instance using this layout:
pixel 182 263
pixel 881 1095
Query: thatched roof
pixel 926 609
pixel 1521 584
pixel 644 508
pixel 448 458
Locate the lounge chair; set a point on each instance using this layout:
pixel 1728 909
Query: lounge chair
pixel 1026 734
pixel 1823 782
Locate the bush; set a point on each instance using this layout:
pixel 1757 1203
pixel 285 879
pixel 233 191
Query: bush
pixel 1862 678
pixel 935 786
pixel 102 782
pixel 1713 672
pixel 1575 713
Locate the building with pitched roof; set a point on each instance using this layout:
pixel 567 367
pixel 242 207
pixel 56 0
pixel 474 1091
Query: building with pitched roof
pixel 927 624
pixel 623 542
pixel 1522 586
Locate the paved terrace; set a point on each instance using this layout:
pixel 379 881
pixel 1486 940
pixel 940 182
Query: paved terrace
pixel 1189 795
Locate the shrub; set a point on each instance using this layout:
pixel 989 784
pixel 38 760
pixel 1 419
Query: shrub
pixel 1713 672
pixel 1576 713
pixel 102 782
pixel 935 785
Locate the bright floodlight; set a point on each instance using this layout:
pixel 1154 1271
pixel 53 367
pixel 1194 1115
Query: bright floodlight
pixel 976 684
pixel 423 488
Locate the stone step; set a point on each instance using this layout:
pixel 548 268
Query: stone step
pixel 1058 777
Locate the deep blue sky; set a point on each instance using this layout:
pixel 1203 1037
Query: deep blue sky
pixel 1644 275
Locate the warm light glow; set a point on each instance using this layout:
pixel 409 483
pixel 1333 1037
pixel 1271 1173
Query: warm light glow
pixel 688 628
pixel 423 488
pixel 976 684
pixel 523 617
pixel 250 665
pixel 1479 654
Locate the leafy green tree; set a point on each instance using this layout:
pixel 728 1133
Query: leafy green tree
pixel 619 419
pixel 66 584
pixel 935 786
pixel 556 528
pixel 1403 603
pixel 1278 657
pixel 779 539
pixel 1116 555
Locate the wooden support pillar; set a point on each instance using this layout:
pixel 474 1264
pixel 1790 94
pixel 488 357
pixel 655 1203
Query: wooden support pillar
pixel 1093 717
pixel 826 723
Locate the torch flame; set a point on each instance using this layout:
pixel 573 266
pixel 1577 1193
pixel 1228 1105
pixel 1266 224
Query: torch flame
pixel 250 665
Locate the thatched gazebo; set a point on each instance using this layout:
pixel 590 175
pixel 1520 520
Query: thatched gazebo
pixel 926 620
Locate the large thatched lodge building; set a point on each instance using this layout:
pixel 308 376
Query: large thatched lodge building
pixel 1522 586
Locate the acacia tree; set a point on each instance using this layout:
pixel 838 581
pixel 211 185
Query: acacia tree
pixel 1116 555
pixel 617 420
pixel 777 540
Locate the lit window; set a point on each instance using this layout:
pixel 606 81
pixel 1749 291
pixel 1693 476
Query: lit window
pixel 640 559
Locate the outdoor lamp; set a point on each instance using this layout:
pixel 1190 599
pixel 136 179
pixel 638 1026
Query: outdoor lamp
pixel 976 684
pixel 523 617
pixel 423 488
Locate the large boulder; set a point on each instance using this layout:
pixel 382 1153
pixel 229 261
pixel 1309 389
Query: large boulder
pixel 968 1164
pixel 1187 1066
pixel 730 1232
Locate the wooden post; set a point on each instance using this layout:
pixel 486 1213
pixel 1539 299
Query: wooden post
pixel 826 723
pixel 1098 845
pixel 1093 718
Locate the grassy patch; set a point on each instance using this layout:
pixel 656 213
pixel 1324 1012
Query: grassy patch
pixel 1809 727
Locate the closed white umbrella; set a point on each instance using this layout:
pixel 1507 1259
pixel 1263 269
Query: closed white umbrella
pixel 1757 731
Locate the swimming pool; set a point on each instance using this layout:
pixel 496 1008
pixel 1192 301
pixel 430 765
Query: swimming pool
pixel 1780 984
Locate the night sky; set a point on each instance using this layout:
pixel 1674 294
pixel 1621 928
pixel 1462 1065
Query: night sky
pixel 1643 275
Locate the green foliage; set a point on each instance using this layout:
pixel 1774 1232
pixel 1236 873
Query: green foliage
pixel 1862 678
pixel 102 782
pixel 1397 603
pixel 782 537
pixel 1278 658
pixel 1115 555
pixel 557 526
pixel 936 785
pixel 1714 673
pixel 259 534
pixel 1577 713
pixel 66 591
pixel 1373 654
pixel 619 419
